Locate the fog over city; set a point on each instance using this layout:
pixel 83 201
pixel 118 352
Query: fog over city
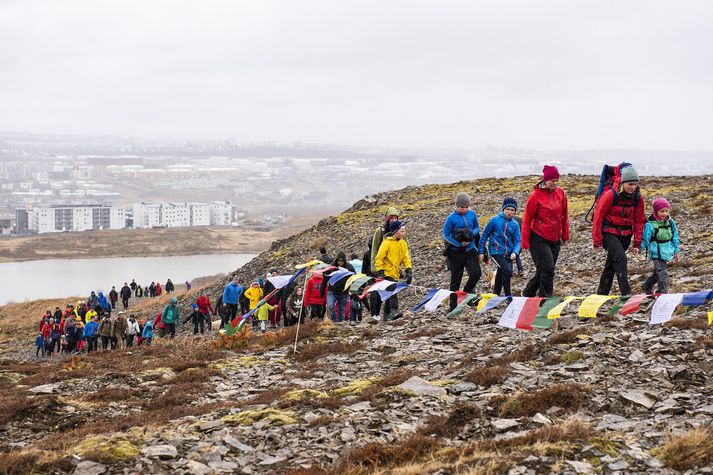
pixel 280 107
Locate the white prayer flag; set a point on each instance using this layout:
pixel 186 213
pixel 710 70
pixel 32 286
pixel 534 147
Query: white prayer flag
pixel 511 314
pixel 436 300
pixel 664 307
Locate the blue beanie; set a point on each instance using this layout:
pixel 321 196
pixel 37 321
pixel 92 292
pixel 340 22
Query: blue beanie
pixel 509 203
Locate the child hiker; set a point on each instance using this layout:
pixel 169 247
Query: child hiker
pixel 263 313
pixel 40 345
pixel 660 240
pixel 503 237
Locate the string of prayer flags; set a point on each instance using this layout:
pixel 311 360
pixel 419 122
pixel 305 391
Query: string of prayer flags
pixel 463 300
pixel 618 306
pixel 339 275
pixel 309 264
pixel 556 312
pixel 663 308
pixel 483 301
pixel 633 304
pixel 590 305
pixel 433 299
pixel 494 302
pixel 541 320
pixel 697 298
pixel 520 313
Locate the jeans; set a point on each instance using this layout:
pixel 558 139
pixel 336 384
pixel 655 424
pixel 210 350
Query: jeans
pixel 544 253
pixel 341 301
pixel 457 263
pixel 616 264
pixel 660 276
pixel 503 274
pixel 91 343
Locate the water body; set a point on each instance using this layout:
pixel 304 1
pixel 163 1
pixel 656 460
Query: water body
pixel 52 278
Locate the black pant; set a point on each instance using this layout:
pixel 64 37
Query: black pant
pixel 659 275
pixel 457 263
pixel 171 329
pixel 105 342
pixel 616 264
pixel 114 342
pixel 129 341
pixel 232 310
pixel 125 302
pixel 91 343
pixel 503 275
pixel 374 303
pixel 113 304
pixel 198 322
pixel 544 254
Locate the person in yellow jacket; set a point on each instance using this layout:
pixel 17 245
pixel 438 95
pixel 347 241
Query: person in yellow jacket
pixel 253 293
pixel 91 313
pixel 263 313
pixel 393 254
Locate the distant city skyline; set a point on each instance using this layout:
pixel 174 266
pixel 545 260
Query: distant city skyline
pixel 555 75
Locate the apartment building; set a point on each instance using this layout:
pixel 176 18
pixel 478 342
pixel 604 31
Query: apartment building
pixel 61 218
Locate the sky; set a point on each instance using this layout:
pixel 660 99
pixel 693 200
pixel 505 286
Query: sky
pixel 548 74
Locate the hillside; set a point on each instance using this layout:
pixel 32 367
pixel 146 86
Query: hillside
pixel 423 394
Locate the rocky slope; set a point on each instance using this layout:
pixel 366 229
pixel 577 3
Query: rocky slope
pixel 424 394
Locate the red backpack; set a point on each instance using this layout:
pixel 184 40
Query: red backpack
pixel 609 179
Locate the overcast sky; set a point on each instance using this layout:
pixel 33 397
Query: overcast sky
pixel 542 74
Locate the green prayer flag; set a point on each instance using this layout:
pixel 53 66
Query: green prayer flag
pixel 462 306
pixel 541 320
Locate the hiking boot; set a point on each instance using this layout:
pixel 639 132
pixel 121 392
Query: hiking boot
pixel 397 316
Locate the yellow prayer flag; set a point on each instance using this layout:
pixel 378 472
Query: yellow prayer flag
pixel 484 300
pixel 556 312
pixel 710 318
pixel 352 278
pixel 591 305
pixel 308 264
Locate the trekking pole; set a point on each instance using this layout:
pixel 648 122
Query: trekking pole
pixel 299 317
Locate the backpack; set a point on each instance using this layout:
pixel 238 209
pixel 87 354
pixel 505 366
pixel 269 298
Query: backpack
pixel 609 181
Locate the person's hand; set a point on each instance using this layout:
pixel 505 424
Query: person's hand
pixel 380 274
pixel 513 256
pixel 676 257
pixel 635 251
pixel 409 276
pixel 464 244
pixel 482 257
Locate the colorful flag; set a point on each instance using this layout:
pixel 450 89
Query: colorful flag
pixel 387 294
pixel 697 298
pixel 437 299
pixel 617 306
pixel 240 321
pixel 359 283
pixel 663 308
pixel 529 312
pixel 279 281
pixel 426 299
pixel 309 264
pixel 633 304
pixel 494 302
pixel 512 312
pixel 380 285
pixel 710 318
pixel 464 299
pixel 541 320
pixel 556 312
pixel 352 278
pixel 484 300
pixel 339 275
pixel 590 305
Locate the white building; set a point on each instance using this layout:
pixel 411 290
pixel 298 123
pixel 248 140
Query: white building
pixel 61 218
pixel 172 215
pixel 200 214
pixel 221 213
pixel 147 215
pixel 176 215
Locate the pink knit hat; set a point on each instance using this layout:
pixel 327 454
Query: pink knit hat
pixel 659 204
pixel 550 172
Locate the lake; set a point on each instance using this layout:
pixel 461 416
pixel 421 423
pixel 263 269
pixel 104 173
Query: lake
pixel 54 278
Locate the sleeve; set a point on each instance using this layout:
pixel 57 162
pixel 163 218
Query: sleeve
pixel 676 242
pixel 476 225
pixel 225 291
pixel 601 209
pixel 447 233
pixel 163 314
pixel 379 260
pixel 485 236
pixel 639 221
pixel 527 217
pixel 517 239
pixel 646 237
pixel 374 247
pixel 565 217
pixel 407 257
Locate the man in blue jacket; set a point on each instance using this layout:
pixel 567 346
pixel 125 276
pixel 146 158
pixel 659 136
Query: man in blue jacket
pixel 231 296
pixel 502 234
pixel 461 232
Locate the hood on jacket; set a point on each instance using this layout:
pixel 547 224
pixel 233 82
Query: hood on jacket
pixel 390 211
pixel 101 295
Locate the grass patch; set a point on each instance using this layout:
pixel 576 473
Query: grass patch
pixel 488 375
pixel 703 342
pixel 451 425
pixel 687 451
pixel 565 337
pixel 571 357
pixel 370 457
pixel 568 396
pixel 272 415
pixel 688 323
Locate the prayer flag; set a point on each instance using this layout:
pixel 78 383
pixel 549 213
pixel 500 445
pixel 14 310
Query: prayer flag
pixel 557 310
pixel 359 283
pixel 279 281
pixel 352 278
pixel 618 306
pixel 591 304
pixel 697 298
pixel 633 304
pixel 437 299
pixel 309 264
pixel 710 318
pixel 494 302
pixel 663 308
pixel 339 275
pixel 541 320
pixel 484 300
pixel 387 294
pixel 528 313
pixel 464 299
pixel 426 299
pixel 512 312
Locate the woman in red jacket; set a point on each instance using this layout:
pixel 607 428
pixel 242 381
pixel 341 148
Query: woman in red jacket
pixel 618 216
pixel 545 227
pixel 314 299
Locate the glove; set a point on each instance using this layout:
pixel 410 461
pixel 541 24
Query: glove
pixel 380 274
pixel 409 276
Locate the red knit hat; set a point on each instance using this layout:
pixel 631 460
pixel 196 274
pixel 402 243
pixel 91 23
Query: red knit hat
pixel 550 172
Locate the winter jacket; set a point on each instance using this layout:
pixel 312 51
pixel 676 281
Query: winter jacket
pixel 366 263
pixel 503 236
pixel 356 264
pixel 169 286
pixel 392 254
pixel 147 332
pixel 139 291
pixel 133 286
pixel 118 330
pixel 159 290
pixel 55 332
pixel 264 311
pixel 253 294
pixel 90 314
pixel 294 303
pixel 313 296
pixel 546 215
pixel 39 341
pixel 91 328
pixel 46 330
pixel 204 305
pixel 660 239
pixel 113 295
pixel 457 225
pixel 196 317
pixel 92 301
pixel 231 293
pixel 132 327
pixel 105 327
pixel 125 292
pixel 103 302
pixel 171 314
pixel 620 214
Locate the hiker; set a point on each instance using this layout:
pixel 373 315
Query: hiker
pixel 356 263
pixel 90 333
pixel 92 301
pixel 133 285
pixel 139 292
pixel 152 289
pixel 57 315
pixel 254 294
pixel 314 299
pixel 170 315
pixel 618 218
pixel 125 295
pixel 660 241
pixel 81 311
pixel 323 256
pixel 198 319
pixel 294 308
pixel 55 335
pixel 39 345
pixel 63 344
pixel 132 329
pixel 461 233
pixel 46 331
pixel 393 254
pixel 545 227
pixel 188 286
pixel 356 309
pixel 105 331
pixel 502 235
pixel 337 294
pixel 103 303
pixel 147 292
pixel 391 214
pixel 206 308
pixel 80 343
pixel 274 300
pixel 113 297
pixel 169 286
pixel 147 333
pixel 263 314
pixel 159 289
pixel 231 296
pixel 118 331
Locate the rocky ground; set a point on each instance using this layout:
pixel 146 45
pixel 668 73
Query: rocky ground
pixel 423 394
